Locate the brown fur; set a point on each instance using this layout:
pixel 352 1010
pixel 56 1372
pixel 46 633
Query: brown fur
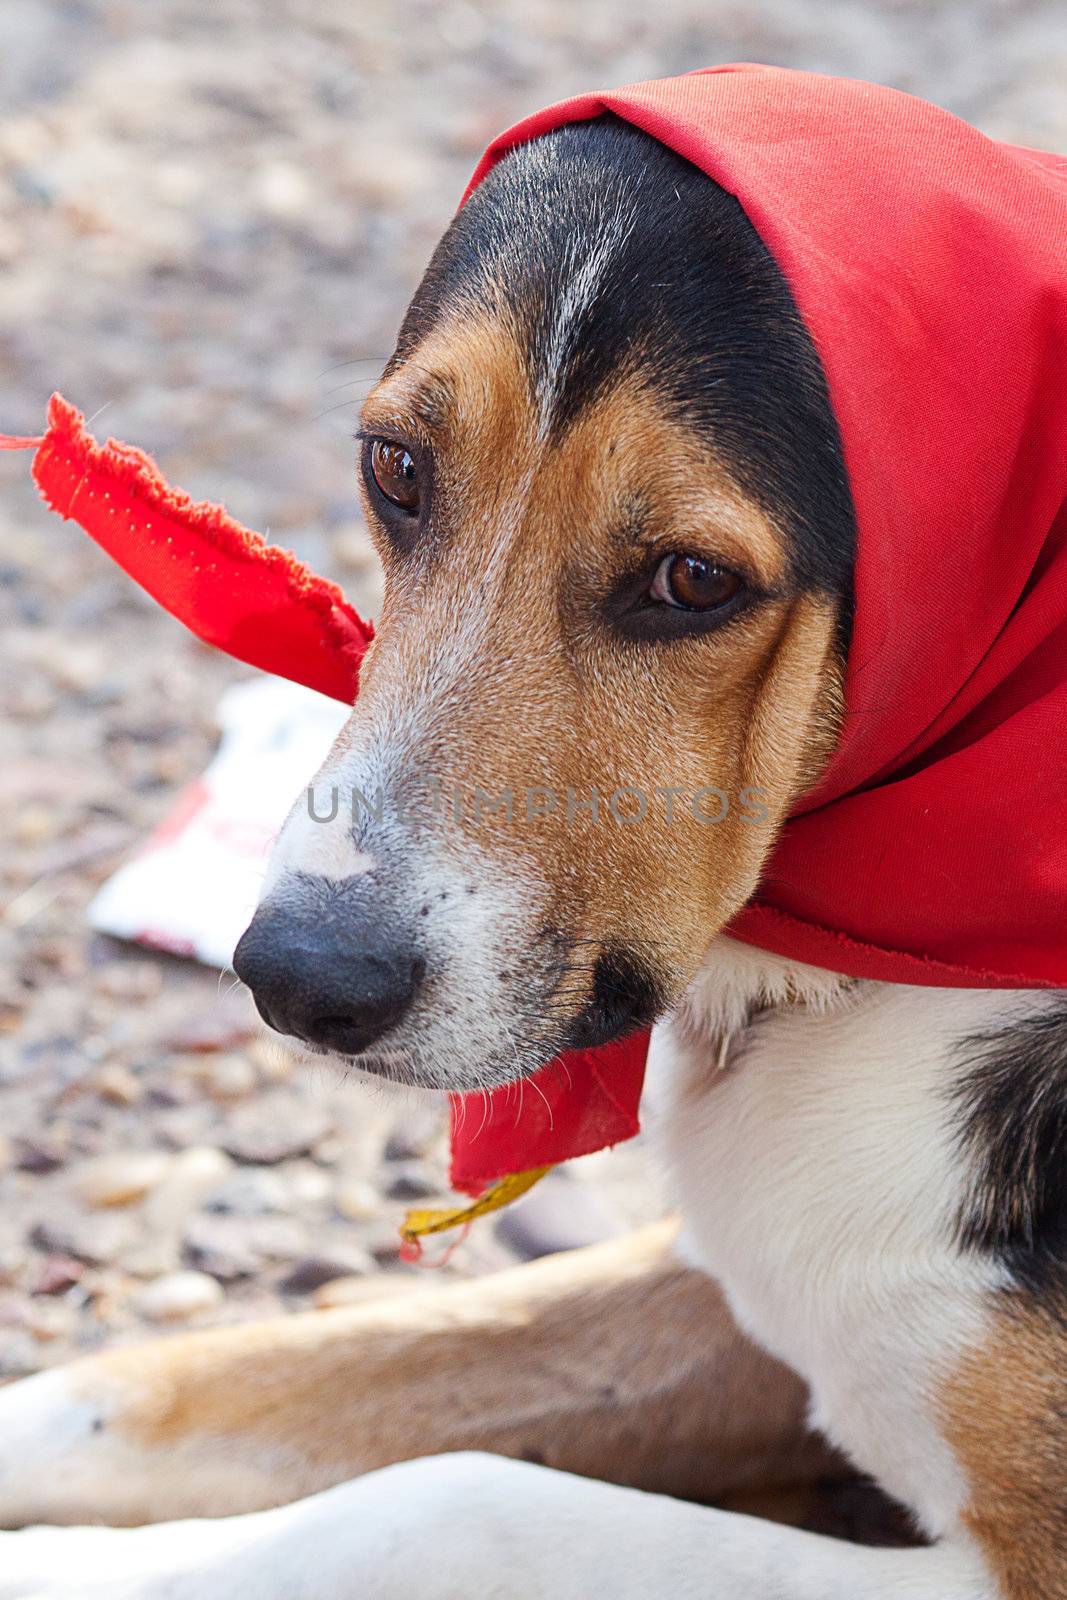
pixel 1004 1410
pixel 615 1361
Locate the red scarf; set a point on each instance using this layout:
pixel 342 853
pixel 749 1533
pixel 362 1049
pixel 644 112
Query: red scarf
pixel 930 266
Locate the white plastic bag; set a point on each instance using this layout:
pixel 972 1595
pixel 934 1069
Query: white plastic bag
pixel 193 887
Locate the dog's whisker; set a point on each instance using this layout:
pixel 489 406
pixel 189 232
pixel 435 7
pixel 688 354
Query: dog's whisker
pixel 328 411
pixel 350 383
pixel 354 361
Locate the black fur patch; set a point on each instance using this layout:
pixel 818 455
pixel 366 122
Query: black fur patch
pixel 685 293
pixel 1012 1100
pixel 626 995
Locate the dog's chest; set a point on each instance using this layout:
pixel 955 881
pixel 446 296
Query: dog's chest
pixel 820 1181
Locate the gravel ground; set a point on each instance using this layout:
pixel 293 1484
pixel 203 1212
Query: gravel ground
pixel 211 215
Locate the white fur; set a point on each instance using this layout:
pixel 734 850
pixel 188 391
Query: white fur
pixel 317 835
pixel 450 1527
pixel 822 1185
pixel 588 257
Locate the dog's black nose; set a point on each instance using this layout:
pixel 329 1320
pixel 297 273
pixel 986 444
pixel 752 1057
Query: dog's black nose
pixel 328 967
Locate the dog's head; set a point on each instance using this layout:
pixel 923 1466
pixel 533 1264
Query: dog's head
pixel 606 484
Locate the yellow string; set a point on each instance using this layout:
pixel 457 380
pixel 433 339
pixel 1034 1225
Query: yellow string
pixel 418 1223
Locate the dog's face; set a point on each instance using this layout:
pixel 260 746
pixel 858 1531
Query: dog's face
pixel 604 480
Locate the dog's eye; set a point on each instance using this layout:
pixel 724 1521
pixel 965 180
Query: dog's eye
pixel 395 475
pixel 693 584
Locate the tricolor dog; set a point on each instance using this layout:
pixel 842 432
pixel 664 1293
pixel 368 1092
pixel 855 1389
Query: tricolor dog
pixel 723 450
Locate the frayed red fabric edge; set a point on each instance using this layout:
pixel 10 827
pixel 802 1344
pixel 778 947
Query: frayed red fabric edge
pixel 68 442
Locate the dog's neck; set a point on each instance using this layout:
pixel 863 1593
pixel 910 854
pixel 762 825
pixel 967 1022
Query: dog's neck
pixel 806 1124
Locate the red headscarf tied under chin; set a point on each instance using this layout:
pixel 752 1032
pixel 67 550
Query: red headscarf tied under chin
pixel 930 266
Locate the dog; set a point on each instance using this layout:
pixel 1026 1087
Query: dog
pixel 620 551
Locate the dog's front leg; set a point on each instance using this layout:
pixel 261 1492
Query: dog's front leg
pixel 449 1527
pixel 616 1362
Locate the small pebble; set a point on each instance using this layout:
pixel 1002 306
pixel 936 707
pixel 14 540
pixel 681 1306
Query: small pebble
pixel 414 1136
pixel 120 1180
pixel 408 1181
pixel 310 1274
pixel 92 1238
pixel 281 189
pixel 229 1077
pixel 272 1133
pixel 308 1184
pixel 177 1296
pixel 356 1199
pixel 118 1086
pixel 152 1257
pixel 385 1248
pixel 40 1155
pixel 230 1248
pixel 193 1174
pixel 211 1246
pixel 250 1192
pixel 57 1274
